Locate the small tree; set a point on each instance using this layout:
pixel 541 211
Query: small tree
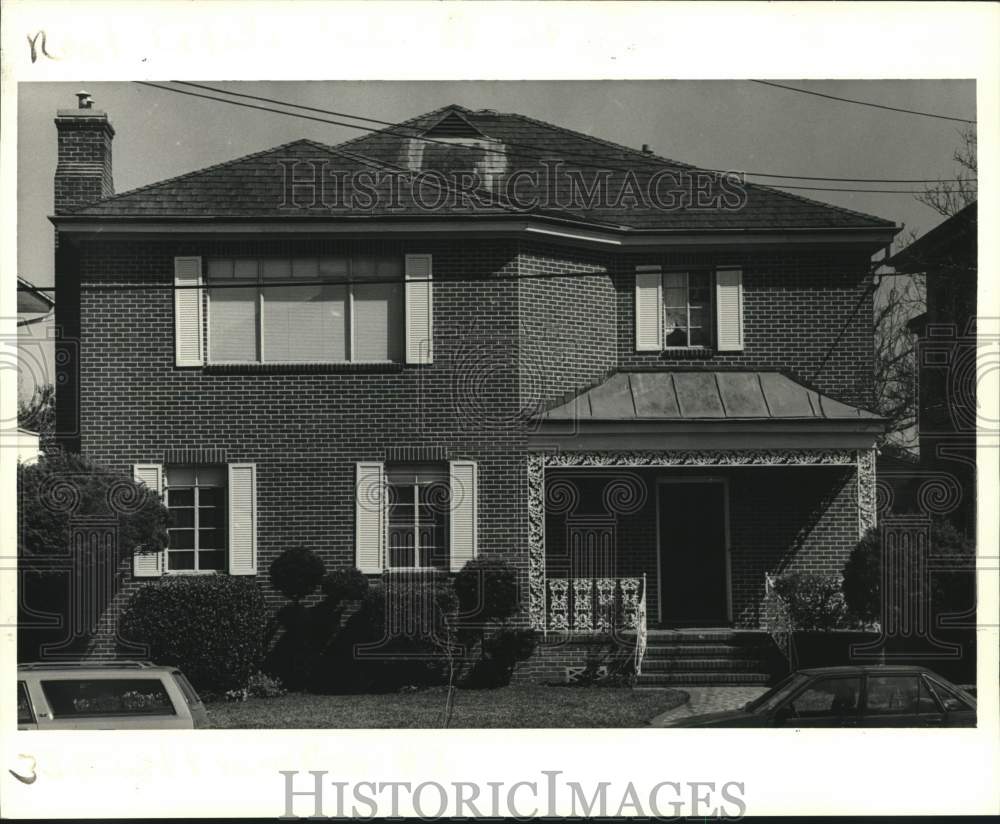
pixel 60 497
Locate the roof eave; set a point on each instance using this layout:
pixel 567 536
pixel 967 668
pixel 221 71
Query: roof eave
pixel 549 226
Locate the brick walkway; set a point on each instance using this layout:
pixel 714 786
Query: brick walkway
pixel 709 699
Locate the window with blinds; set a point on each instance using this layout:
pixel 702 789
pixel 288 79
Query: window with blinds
pixel 305 310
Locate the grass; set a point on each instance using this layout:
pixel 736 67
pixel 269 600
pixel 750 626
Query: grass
pixel 506 707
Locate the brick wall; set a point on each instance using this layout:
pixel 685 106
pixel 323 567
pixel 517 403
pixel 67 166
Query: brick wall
pixel 567 322
pixel 806 312
pixel 515 324
pixel 304 429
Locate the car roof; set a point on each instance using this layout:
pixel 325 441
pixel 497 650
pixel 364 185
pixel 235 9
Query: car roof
pixel 80 667
pixel 857 669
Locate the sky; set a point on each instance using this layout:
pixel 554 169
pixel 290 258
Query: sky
pixel 737 125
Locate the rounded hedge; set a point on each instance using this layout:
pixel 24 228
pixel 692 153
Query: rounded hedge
pixel 487 590
pixel 295 573
pixel 212 627
pixel 345 584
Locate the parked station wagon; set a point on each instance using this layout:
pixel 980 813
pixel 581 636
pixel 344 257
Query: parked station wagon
pixel 102 695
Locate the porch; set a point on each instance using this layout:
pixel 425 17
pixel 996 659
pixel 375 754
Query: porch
pixel 673 497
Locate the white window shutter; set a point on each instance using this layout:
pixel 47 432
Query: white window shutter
pixel 463 525
pixel 148 564
pixel 729 309
pixel 419 309
pixel 369 537
pixel 648 309
pixel 187 312
pixel 242 519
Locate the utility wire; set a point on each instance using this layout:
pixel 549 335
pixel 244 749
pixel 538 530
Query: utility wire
pixel 861 102
pixel 601 167
pixel 639 161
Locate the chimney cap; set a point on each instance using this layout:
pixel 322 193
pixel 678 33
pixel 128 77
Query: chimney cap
pixel 646 149
pixel 84 100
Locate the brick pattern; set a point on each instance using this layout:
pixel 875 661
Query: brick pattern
pixel 555 654
pixel 806 313
pixel 83 172
pixel 567 331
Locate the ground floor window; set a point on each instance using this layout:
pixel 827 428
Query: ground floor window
pixel 418 501
pixel 196 499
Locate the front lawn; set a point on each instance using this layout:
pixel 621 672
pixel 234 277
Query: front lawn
pixel 521 706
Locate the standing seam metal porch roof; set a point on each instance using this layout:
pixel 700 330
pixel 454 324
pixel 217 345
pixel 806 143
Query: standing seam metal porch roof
pixel 704 395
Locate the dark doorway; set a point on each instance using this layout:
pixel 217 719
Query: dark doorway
pixel 693 574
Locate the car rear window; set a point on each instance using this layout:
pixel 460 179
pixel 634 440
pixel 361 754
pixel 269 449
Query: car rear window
pixel 81 697
pixel 950 700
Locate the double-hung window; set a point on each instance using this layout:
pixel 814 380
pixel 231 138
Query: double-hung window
pixel 196 501
pixel 687 309
pixel 331 309
pixel 419 499
pixel 699 309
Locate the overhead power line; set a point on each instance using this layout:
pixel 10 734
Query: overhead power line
pixel 601 166
pixel 639 161
pixel 862 102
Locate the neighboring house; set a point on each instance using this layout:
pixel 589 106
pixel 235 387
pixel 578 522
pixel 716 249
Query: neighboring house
pixel 601 393
pixel 34 338
pixel 946 362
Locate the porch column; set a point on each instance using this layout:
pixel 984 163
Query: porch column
pixel 536 541
pixel 867 491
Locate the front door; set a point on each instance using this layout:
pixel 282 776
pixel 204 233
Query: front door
pixel 693 569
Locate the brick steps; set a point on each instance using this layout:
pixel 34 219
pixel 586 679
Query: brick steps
pixel 700 651
pixel 660 680
pixel 705 657
pixel 661 665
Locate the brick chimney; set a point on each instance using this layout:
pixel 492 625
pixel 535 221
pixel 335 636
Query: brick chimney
pixel 83 168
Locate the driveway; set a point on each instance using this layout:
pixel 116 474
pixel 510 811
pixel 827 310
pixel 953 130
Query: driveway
pixel 709 699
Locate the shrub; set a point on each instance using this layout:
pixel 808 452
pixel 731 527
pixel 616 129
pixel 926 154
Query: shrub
pixel 260 685
pixel 345 584
pixel 487 590
pixel 212 627
pixel 295 573
pixel 863 578
pixel 815 602
pixel 487 594
pixel 951 589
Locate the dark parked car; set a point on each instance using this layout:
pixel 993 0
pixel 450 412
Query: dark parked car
pixel 869 696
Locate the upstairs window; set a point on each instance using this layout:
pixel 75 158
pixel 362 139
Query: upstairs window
pixel 305 309
pixel 687 309
pixel 698 309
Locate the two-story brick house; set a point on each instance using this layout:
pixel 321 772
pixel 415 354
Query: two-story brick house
pixel 476 333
